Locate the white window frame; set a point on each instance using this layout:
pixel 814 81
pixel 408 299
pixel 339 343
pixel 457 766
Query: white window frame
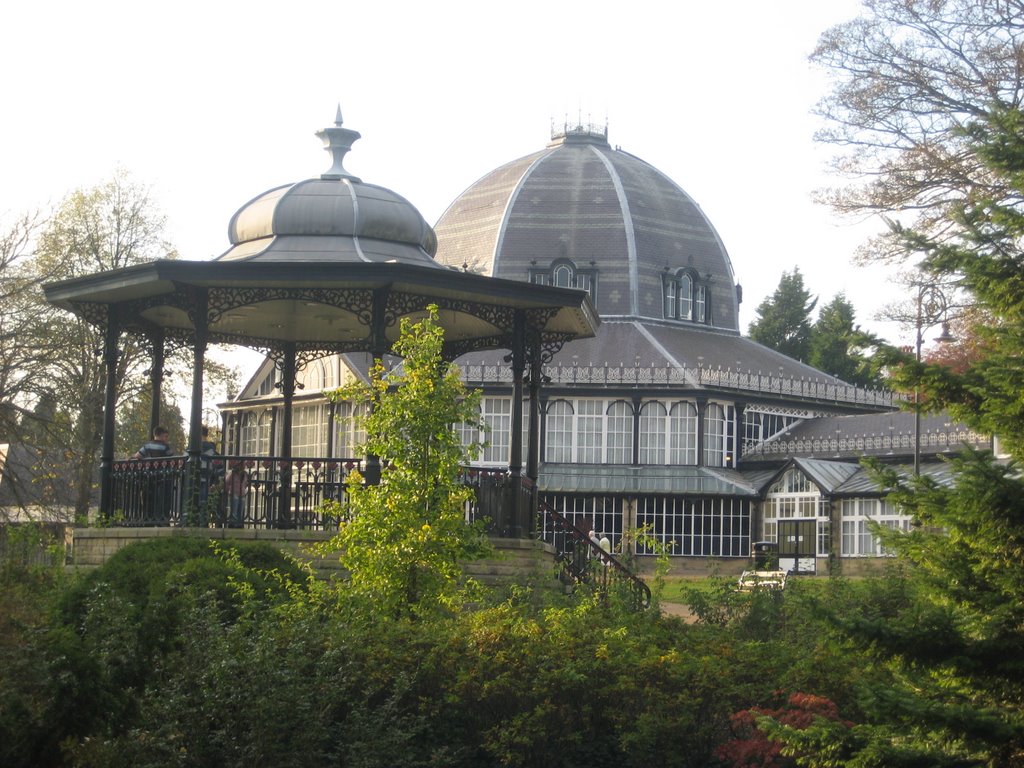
pixel 654 431
pixel 856 516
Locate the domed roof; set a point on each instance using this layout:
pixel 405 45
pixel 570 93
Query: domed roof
pixel 334 218
pixel 581 214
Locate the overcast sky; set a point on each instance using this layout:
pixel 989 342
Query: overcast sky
pixel 212 103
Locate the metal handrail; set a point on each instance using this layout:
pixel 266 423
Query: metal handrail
pixel 578 562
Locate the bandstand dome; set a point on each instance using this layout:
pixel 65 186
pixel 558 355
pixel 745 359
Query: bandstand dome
pixel 336 217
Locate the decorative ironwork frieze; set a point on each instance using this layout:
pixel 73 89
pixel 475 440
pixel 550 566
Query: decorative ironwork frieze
pixel 358 301
pixel 400 303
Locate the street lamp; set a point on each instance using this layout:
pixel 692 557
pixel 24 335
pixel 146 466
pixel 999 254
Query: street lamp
pixel 932 309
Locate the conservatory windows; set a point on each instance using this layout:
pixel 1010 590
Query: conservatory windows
pixel 559 431
pixel 858 539
pixel 716 436
pixel 683 432
pixel 794 496
pixel 619 420
pixel 308 435
pixel 653 432
pixel 349 433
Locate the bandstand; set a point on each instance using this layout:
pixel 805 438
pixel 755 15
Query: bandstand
pixel 326 266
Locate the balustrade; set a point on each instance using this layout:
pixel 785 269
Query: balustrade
pixel 153 492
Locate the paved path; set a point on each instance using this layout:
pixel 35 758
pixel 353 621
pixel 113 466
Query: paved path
pixel 679 610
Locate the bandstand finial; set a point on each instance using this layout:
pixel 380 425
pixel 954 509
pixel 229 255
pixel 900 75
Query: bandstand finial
pixel 338 141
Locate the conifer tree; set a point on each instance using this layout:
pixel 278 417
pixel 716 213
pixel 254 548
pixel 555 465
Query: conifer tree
pixel 784 319
pixel 837 344
pixel 955 648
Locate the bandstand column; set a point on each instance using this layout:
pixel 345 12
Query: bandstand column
pixel 156 379
pixel 515 459
pixel 195 432
pixel 533 436
pixel 514 509
pixel 288 371
pixel 110 359
pixel 378 347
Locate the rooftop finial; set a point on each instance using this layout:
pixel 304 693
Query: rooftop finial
pixel 338 141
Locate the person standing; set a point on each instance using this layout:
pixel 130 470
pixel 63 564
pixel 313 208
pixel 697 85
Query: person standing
pixel 237 485
pixel 158 447
pixel 158 494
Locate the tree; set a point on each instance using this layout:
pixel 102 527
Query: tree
pixel 955 646
pixel 113 225
pixel 907 77
pixel 407 536
pixel 783 319
pixel 20 358
pixel 837 344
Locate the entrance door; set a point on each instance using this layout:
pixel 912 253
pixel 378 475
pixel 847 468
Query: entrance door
pixel 798 545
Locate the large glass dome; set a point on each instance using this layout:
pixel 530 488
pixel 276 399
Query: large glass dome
pixel 581 214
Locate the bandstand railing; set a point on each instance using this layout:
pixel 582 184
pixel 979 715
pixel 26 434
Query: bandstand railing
pixel 272 493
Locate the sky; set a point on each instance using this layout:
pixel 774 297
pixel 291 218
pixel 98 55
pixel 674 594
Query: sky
pixel 210 104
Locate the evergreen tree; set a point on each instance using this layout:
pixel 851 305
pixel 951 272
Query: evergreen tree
pixel 955 649
pixel 784 319
pixel 837 344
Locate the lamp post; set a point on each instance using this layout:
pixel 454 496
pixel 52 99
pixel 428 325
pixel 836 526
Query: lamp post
pixel 932 309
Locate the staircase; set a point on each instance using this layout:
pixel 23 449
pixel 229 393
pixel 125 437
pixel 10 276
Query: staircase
pixel 524 562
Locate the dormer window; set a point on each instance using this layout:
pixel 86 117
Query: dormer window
pixel 685 298
pixel 564 274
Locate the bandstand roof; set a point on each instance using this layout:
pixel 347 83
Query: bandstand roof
pixel 325 306
pixel 326 265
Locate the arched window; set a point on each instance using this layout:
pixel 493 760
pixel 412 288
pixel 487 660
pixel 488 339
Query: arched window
pixel 559 433
pixel 564 276
pixel 714 435
pixel 683 434
pixel 685 297
pixel 653 433
pixel 620 433
pixel 679 296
